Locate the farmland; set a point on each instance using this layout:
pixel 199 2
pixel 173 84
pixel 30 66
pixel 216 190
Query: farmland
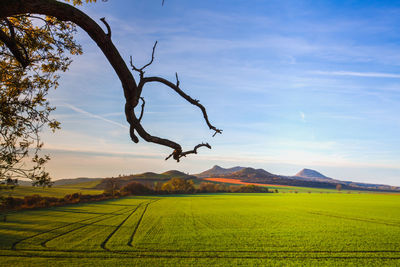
pixel 209 229
pixel 57 191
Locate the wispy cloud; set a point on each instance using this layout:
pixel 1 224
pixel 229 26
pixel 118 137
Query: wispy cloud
pixel 84 112
pixel 302 116
pixel 358 74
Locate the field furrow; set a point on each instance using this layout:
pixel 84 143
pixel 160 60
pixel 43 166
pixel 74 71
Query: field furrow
pixel 219 229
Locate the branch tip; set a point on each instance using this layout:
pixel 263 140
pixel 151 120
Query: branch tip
pixel 177 154
pixel 107 26
pixel 177 79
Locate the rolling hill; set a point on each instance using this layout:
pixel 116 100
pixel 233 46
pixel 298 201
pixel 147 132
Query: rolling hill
pixel 73 181
pixel 147 177
pixel 304 178
pixel 217 170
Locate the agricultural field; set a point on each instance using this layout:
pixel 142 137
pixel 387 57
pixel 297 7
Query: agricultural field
pixel 210 229
pixel 280 188
pixel 56 191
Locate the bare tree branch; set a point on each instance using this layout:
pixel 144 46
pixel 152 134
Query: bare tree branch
pixel 141 112
pixel 177 79
pixel 141 70
pixel 152 56
pixel 179 154
pixel 108 27
pixel 192 101
pixel 132 91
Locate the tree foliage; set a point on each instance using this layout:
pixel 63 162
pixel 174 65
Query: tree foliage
pixel 178 186
pixel 339 187
pixel 112 186
pixel 33 50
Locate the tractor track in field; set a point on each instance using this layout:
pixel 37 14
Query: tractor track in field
pixel 110 255
pixel 73 211
pixel 138 223
pixel 110 215
pixel 14 245
pixel 103 244
pixel 123 205
pixel 354 219
pixel 210 251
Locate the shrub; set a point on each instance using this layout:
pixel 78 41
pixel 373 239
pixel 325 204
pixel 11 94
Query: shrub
pixel 209 187
pixel 135 188
pixel 178 186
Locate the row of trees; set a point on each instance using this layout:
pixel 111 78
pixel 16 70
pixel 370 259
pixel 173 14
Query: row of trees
pixel 37 201
pixel 182 186
pixel 113 190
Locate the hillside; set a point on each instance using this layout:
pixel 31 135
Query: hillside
pixel 73 181
pixel 304 178
pixel 311 174
pixel 217 170
pixel 147 177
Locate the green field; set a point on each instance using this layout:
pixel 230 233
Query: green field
pixel 209 229
pixel 59 191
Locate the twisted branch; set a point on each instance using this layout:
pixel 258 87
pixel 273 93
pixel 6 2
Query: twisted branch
pixel 179 154
pixel 132 91
pixel 192 101
pixel 141 112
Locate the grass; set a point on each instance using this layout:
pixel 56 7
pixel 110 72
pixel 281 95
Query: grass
pixel 283 188
pixel 209 229
pixel 58 191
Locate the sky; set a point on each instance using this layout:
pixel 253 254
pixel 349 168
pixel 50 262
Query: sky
pixel 293 84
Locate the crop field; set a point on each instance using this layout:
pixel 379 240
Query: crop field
pixel 210 229
pixel 57 191
pixel 280 188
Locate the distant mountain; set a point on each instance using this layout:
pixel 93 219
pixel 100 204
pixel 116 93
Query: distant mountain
pixel 217 170
pixel 312 175
pixel 147 177
pixel 250 173
pixel 304 178
pixel 307 173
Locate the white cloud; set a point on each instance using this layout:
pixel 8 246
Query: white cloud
pixel 302 116
pixel 81 111
pixel 358 74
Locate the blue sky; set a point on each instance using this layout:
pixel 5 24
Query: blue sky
pixel 293 84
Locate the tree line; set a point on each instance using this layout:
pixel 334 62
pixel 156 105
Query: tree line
pixel 178 186
pixel 114 190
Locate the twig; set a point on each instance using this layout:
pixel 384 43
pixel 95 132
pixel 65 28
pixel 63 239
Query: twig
pixel 177 154
pixel 141 70
pixel 108 27
pixel 185 96
pixel 141 113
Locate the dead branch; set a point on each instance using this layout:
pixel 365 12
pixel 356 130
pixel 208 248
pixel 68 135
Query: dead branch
pixel 192 101
pixel 179 154
pixel 141 112
pixel 107 26
pixel 141 70
pixel 132 91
